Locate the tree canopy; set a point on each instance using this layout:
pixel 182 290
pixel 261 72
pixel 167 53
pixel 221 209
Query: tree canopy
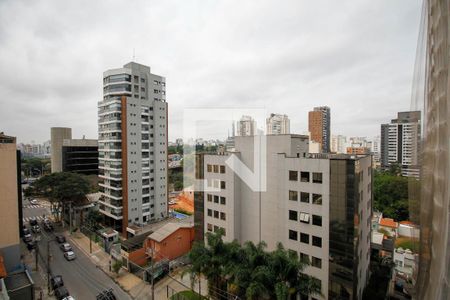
pixel 249 271
pixel 390 193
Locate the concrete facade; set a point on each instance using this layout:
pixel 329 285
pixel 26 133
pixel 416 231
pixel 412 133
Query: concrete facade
pixel 278 124
pixel 58 135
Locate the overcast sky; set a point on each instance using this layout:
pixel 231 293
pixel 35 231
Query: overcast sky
pixel 285 56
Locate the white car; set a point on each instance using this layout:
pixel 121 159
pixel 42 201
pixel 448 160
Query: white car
pixel 65 247
pixel 70 255
pixel 34 202
pixel 69 298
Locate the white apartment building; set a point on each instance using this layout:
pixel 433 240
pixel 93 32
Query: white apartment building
pixel 339 144
pixel 246 126
pixel 133 147
pixel 277 124
pixel 318 205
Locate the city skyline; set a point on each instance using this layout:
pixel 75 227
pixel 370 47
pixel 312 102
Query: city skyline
pixel 327 72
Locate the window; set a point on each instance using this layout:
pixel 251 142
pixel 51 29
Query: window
pixel 222 200
pixel 304 197
pixel 293 195
pixel 316 262
pixel 209 168
pixel 317 199
pixel 216 199
pixel 216 214
pixel 293 235
pixel 209 212
pixel 293 215
pixel 304 238
pixel 304 176
pixel 216 169
pixel 222 185
pixel 293 175
pixel 209 227
pixel 222 216
pixel 304 258
pixel 216 228
pixel 317 241
pixel 209 197
pixel 317 177
pixel 304 217
pixel 317 220
pixel 222 169
pixel 316 282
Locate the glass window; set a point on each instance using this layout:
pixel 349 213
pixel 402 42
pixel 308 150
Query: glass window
pixel 216 169
pixel 209 212
pixel 304 238
pixel 293 235
pixel 293 195
pixel 293 215
pixel 216 214
pixel 304 258
pixel 317 199
pixel 222 216
pixel 209 168
pixel 317 241
pixel 316 262
pixel 317 177
pixel 317 282
pixel 222 185
pixel 222 169
pixel 304 217
pixel 304 176
pixel 304 197
pixel 317 220
pixel 216 199
pixel 222 200
pixel 209 227
pixel 293 175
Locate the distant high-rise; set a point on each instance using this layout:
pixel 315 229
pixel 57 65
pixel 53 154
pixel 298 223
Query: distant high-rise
pixel 319 122
pixel 400 142
pixel 278 124
pixel 246 126
pixel 132 119
pixel 338 143
pixel 58 135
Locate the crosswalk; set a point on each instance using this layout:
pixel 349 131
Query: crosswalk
pixel 38 218
pixel 35 206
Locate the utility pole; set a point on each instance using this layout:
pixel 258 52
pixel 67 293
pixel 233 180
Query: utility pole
pixel 48 265
pixel 70 217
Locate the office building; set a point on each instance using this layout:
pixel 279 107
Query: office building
pixel 338 144
pixel 58 135
pixel 10 202
pixel 319 205
pixel 319 122
pixel 277 124
pixel 80 156
pixel 358 150
pixel 400 140
pixel 132 142
pixel 246 126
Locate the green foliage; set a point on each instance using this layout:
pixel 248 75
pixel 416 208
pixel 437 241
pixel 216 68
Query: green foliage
pixel 249 271
pixel 378 283
pixel 408 243
pixel 182 211
pixel 176 177
pixel 175 149
pixel 187 295
pixel 35 166
pixel 391 195
pixel 116 266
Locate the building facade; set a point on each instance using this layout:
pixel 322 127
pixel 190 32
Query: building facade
pixel 80 156
pixel 400 142
pixel 338 144
pixel 133 147
pixel 58 135
pixel 318 205
pixel 277 124
pixel 319 123
pixel 246 126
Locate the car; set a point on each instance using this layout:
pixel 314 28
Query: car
pixel 56 281
pixel 48 227
pixel 70 255
pixel 36 229
pixel 69 298
pixel 33 221
pixel 66 247
pixel 34 202
pixel 26 231
pixel 61 293
pixel 31 245
pixel 27 237
pixel 60 239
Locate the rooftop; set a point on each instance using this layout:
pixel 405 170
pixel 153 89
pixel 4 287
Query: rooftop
pixel 5 139
pixel 387 222
pixel 166 230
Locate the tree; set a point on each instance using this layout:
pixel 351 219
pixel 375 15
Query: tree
pixel 116 266
pixel 61 189
pixel 391 195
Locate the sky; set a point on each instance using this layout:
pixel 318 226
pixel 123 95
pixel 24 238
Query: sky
pixel 357 57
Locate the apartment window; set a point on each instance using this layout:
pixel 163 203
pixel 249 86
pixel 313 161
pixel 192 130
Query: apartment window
pixel 317 282
pixel 209 227
pixel 209 168
pixel 216 168
pixel 304 238
pixel 209 213
pixel 222 169
pixel 317 241
pixel 317 220
pixel 209 196
pixel 293 195
pixel 317 177
pixel 142 80
pixel 293 175
pixel 216 199
pixel 293 215
pixel 222 185
pixel 222 216
pixel 222 200
pixel 304 176
pixel 304 217
pixel 304 197
pixel 216 214
pixel 293 235
pixel 316 262
pixel 304 258
pixel 317 199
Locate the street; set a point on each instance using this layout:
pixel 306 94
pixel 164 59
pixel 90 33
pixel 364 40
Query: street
pixel 81 277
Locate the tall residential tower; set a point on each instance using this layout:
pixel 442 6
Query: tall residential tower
pixel 132 145
pixel 278 124
pixel 319 122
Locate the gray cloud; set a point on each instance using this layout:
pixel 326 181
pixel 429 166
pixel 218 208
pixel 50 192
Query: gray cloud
pixel 355 56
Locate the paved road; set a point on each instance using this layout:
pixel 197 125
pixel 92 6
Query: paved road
pixel 81 277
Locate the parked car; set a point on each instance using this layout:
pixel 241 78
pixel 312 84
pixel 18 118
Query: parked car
pixel 56 281
pixel 61 293
pixel 26 231
pixel 34 202
pixel 31 245
pixel 36 229
pixel 65 247
pixel 60 239
pixel 70 255
pixel 33 221
pixel 69 298
pixel 48 226
pixel 27 237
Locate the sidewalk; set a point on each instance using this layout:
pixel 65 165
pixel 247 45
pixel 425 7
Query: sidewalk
pixel 98 256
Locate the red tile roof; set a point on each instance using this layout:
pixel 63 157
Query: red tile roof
pixel 388 223
pixel 407 223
